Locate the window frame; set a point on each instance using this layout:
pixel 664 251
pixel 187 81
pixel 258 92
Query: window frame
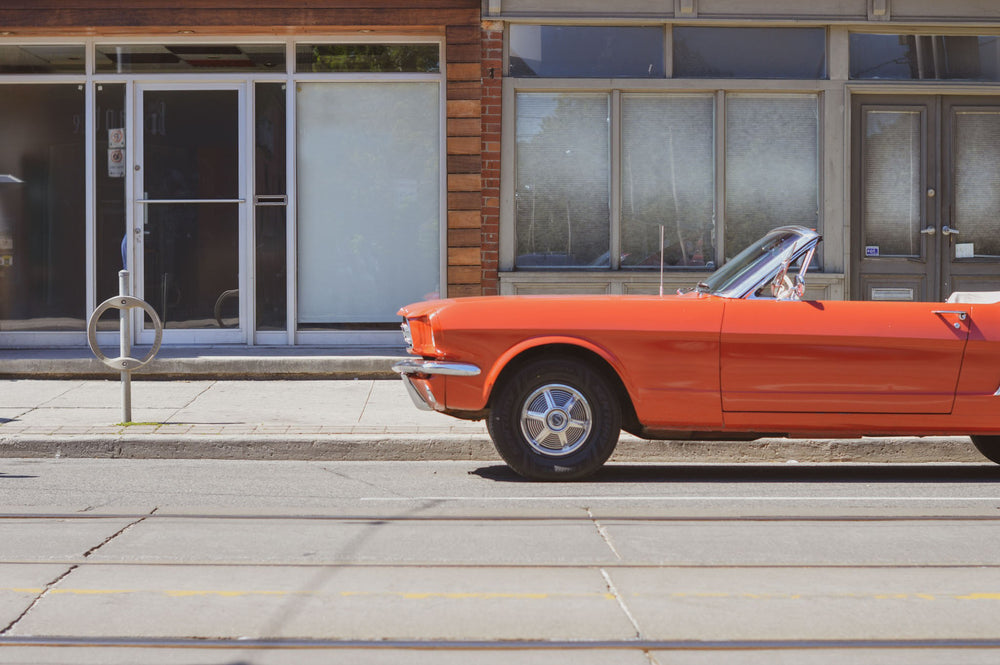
pixel 719 88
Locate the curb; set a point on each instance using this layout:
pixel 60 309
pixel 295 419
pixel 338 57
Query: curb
pixel 439 447
pixel 220 367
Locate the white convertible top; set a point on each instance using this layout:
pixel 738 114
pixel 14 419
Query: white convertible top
pixel 976 297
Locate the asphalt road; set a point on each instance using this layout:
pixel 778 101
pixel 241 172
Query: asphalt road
pixel 197 561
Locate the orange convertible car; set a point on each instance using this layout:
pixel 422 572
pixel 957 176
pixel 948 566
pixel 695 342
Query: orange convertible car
pixel 741 356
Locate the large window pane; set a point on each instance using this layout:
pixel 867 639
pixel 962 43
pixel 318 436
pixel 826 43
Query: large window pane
pixel 891 160
pixel 586 51
pixel 913 57
pixel 563 171
pixel 776 53
pixel 772 169
pixel 668 178
pixel 368 201
pixel 42 207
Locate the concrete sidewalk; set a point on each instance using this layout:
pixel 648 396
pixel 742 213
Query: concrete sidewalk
pixel 338 419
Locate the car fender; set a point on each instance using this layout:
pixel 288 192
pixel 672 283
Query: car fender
pixel 504 360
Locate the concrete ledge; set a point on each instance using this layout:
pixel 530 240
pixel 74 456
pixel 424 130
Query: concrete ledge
pixel 420 447
pixel 208 362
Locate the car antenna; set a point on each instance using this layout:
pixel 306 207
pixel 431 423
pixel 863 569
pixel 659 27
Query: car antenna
pixel 661 260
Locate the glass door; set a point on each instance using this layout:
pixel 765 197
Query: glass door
pixel 188 235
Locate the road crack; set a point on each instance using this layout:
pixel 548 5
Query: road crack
pixel 45 591
pixel 621 603
pixel 51 585
pixel 604 534
pixel 119 532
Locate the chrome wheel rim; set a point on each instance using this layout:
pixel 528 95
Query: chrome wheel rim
pixel 556 420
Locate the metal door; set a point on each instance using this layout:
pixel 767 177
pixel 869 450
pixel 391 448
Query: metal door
pixel 189 230
pixel 922 168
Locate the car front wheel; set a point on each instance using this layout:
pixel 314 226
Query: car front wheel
pixel 989 446
pixel 555 419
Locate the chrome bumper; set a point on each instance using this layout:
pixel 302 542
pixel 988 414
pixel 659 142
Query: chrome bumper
pixel 426 400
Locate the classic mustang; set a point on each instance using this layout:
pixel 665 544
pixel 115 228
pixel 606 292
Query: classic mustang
pixel 742 355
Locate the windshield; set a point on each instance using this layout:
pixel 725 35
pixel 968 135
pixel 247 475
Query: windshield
pixel 755 263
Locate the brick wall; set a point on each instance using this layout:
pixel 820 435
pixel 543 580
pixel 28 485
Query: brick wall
pixel 492 73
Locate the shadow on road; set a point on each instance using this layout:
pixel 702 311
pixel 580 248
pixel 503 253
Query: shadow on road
pixel 777 473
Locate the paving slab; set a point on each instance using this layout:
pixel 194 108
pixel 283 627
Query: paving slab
pixel 345 603
pixel 31 393
pixel 22 540
pixel 330 656
pixel 788 603
pixel 825 542
pixel 310 541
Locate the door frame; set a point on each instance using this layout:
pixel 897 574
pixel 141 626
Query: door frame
pixel 136 208
pixel 930 175
pixel 938 172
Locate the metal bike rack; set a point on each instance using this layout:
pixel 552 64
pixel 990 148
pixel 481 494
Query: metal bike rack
pixel 124 363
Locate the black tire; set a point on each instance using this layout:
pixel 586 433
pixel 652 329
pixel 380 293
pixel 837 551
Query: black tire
pixel 989 446
pixel 555 419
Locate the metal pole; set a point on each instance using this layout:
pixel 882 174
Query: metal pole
pixel 125 327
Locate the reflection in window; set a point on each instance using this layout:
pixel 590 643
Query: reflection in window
pixel 772 167
pixel 668 178
pixel 366 57
pixel 586 51
pixel 563 180
pixel 775 53
pixel 916 57
pixel 110 157
pixel 270 190
pixel 189 58
pixel 42 59
pixel 42 207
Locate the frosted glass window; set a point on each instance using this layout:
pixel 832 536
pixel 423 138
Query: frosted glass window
pixel 891 163
pixel 977 181
pixel 563 180
pixel 369 193
pixel 668 178
pixel 772 165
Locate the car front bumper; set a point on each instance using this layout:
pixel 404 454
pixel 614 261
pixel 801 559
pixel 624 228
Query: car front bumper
pixel 417 375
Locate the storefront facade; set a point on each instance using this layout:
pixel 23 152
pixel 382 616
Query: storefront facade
pixel 279 174
pixel 707 122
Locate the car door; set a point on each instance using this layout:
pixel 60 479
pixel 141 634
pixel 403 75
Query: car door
pixel 841 357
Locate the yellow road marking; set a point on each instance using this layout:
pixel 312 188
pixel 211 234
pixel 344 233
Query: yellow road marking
pixel 492 595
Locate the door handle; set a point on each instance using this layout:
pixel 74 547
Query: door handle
pixel 929 231
pixel 948 231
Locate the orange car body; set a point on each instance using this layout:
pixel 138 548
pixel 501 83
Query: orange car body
pixel 702 366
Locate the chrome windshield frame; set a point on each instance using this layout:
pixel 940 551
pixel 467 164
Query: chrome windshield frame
pixel 757 265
